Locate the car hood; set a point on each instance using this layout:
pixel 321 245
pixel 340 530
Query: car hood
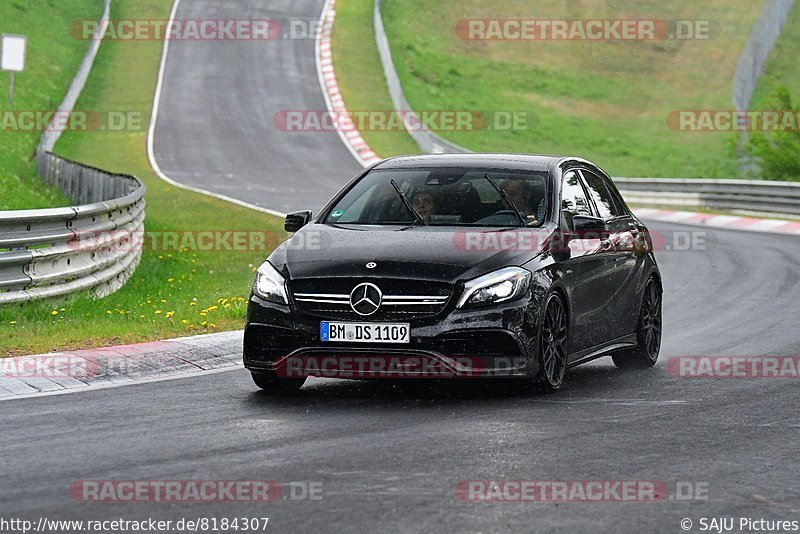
pixel 427 253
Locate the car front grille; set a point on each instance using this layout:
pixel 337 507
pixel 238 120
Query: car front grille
pixel 329 298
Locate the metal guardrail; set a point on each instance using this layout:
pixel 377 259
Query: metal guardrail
pixel 750 196
pixel 92 246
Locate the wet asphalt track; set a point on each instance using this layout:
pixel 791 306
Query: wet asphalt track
pixel 215 126
pixel 390 455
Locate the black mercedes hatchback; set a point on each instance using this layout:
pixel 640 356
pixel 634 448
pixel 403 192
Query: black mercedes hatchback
pixel 458 266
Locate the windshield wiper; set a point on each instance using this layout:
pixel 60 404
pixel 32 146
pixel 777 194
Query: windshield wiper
pixel 503 194
pixel 409 205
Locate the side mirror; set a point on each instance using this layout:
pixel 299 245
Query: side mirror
pixel 295 221
pixel 586 227
pixel 585 223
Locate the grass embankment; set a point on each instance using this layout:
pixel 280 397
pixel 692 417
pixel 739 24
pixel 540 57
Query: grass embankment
pixel 173 292
pixel 51 60
pixel 607 101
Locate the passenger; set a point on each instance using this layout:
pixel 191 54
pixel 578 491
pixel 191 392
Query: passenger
pixel 519 193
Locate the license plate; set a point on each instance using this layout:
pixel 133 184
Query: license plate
pixel 365 332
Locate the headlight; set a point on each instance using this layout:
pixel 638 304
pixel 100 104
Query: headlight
pixel 270 285
pixel 506 284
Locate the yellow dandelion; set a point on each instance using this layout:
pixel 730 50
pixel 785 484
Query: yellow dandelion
pixel 13 322
pixel 212 325
pixel 169 314
pixel 158 312
pixel 54 312
pixel 192 304
pixel 185 321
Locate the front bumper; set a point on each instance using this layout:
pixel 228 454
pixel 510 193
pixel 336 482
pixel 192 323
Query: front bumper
pixel 495 341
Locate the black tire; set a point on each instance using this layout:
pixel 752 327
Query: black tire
pixel 275 385
pixel 553 345
pixel 648 332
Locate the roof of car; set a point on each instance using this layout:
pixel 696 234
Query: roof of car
pixel 508 161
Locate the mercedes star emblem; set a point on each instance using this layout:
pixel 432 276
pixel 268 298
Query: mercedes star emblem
pixel 371 265
pixel 365 299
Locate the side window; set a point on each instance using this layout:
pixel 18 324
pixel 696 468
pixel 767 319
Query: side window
pixel 573 199
pixel 598 190
pixel 622 208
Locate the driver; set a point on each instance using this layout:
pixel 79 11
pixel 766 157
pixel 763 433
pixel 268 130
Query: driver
pixel 425 203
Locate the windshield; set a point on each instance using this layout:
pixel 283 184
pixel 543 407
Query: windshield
pixel 444 197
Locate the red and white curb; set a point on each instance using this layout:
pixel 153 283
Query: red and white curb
pixel 730 222
pixel 85 370
pixel 333 97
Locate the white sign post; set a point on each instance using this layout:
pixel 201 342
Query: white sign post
pixel 13 59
